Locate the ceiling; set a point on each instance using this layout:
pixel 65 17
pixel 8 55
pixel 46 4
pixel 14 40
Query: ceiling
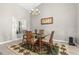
pixel 29 6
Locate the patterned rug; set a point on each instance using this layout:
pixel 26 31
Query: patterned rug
pixel 19 50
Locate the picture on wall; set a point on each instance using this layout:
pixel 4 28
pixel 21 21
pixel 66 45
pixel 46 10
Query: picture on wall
pixel 48 20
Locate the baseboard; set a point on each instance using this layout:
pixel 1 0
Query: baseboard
pixel 61 41
pixel 8 41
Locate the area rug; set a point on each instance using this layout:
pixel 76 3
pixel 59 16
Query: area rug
pixel 19 50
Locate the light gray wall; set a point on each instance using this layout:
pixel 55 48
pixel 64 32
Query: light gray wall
pixel 77 23
pixel 7 12
pixel 64 16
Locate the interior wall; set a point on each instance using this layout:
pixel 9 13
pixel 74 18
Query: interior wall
pixel 7 12
pixel 64 16
pixel 77 23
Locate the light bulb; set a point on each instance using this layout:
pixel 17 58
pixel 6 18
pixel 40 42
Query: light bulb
pixel 32 9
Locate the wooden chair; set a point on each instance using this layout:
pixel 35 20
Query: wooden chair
pixel 51 38
pixel 28 37
pixel 35 31
pixel 41 31
pixel 50 44
pixel 30 40
pixel 24 37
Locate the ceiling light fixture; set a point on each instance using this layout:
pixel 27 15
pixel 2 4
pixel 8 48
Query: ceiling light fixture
pixel 34 12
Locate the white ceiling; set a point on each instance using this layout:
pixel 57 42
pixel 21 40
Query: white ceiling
pixel 29 6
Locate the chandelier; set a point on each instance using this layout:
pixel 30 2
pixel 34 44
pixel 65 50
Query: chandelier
pixel 34 12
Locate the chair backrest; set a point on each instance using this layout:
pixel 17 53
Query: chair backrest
pixel 35 31
pixel 51 38
pixel 30 39
pixel 41 32
pixel 24 35
pixel 29 35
